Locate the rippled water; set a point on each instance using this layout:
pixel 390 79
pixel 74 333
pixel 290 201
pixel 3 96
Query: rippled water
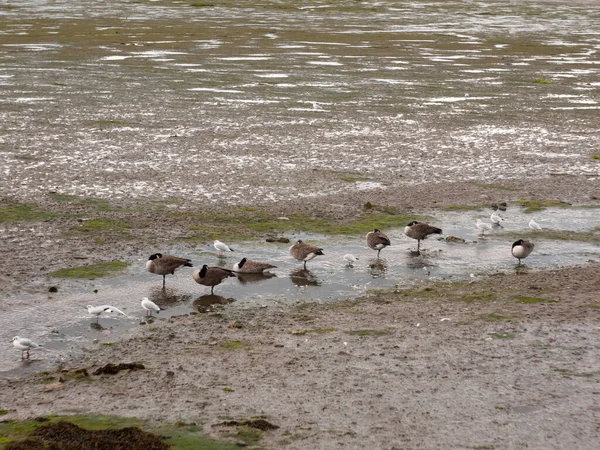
pixel 112 99
pixel 60 321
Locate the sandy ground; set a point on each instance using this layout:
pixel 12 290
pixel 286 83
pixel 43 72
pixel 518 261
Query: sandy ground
pixel 446 366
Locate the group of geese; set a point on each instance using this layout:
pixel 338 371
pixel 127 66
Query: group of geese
pixel 164 265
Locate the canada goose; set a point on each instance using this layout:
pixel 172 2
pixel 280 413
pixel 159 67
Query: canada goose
pixel 211 276
pixel 377 240
pixel 150 306
pixel 496 219
pixel 305 252
pixel 534 225
pixel 420 231
pixel 483 226
pixel 350 259
pixel 97 310
pixel 166 264
pixel 521 249
pixel 247 266
pixel 221 247
pixel 24 344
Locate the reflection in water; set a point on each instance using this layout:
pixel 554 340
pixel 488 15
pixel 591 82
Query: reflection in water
pixel 167 297
pixel 304 277
pixel 377 267
pixel 254 277
pixel 96 326
pixel 205 303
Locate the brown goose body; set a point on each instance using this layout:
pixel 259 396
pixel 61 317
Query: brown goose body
pixel 305 252
pixel 248 266
pixel 211 276
pixel 166 264
pixel 377 240
pixel 521 249
pixel 419 231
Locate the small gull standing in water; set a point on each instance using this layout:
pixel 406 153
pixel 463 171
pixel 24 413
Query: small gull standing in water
pixel 97 310
pixel 534 225
pixel 24 344
pixel 483 226
pixel 496 219
pixel 221 247
pixel 350 259
pixel 150 306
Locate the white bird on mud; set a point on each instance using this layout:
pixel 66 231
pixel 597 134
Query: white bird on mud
pixel 521 249
pixel 496 219
pixel 350 259
pixel 97 310
pixel 534 225
pixel 483 226
pixel 150 306
pixel 24 344
pixel 221 247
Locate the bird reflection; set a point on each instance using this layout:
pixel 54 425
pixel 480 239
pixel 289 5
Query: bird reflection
pixel 254 277
pixel 303 277
pixel 96 326
pixel 377 267
pixel 167 297
pixel 206 303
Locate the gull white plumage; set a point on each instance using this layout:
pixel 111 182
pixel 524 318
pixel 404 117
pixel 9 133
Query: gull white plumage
pixel 534 225
pixel 221 247
pixel 350 259
pixel 24 344
pixel 483 226
pixel 496 219
pixel 98 310
pixel 150 306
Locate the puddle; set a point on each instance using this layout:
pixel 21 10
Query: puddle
pixel 62 325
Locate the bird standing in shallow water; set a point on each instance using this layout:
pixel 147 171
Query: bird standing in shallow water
pixel 150 306
pixel 521 249
pixel 350 259
pixel 247 266
pixel 534 225
pixel 97 310
pixel 24 344
pixel 496 219
pixel 305 252
pixel 211 276
pixel 377 240
pixel 166 264
pixel 483 226
pixel 221 247
pixel 419 231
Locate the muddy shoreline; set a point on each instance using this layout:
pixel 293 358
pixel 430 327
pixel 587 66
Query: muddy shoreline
pixel 506 362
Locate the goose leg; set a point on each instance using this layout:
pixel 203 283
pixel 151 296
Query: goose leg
pixel 164 276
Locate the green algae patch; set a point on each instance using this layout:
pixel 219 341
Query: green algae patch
pixel 23 212
pixel 534 300
pixel 561 235
pixel 232 345
pixel 174 436
pixel 537 205
pixel 464 207
pixel 99 270
pixel 503 335
pixel 371 333
pixel 250 223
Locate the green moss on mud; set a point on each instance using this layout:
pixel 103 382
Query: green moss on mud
pixel 23 212
pixel 99 270
pixel 179 436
